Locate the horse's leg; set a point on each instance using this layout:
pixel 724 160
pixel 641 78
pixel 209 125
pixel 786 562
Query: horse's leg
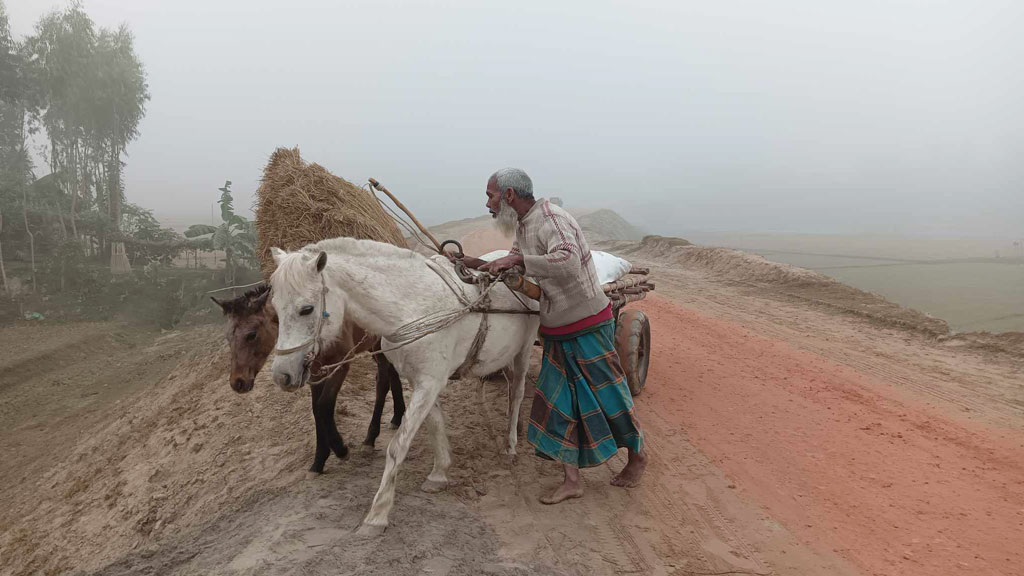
pixel 438 479
pixel 397 399
pixel 516 389
pixel 424 396
pixel 383 384
pixel 326 405
pixel 322 448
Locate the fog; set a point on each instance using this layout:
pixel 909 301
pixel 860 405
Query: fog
pixel 791 116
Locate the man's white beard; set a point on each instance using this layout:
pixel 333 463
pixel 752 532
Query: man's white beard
pixel 505 220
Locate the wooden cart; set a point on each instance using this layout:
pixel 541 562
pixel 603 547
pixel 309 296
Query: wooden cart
pixel 632 327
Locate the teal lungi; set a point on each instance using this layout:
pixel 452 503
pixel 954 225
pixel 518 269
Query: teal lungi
pixel 582 410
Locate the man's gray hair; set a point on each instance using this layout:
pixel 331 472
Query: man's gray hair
pixel 515 179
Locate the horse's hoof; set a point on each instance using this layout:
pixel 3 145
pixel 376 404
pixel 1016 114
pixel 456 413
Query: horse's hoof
pixel 341 453
pixel 395 425
pixel 434 486
pixel 371 531
pixel 313 474
pixel 316 469
pixel 366 449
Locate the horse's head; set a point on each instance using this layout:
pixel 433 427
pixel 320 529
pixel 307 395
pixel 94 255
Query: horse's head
pixel 251 333
pixel 305 324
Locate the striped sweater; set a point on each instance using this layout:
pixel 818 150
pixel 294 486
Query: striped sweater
pixel 556 254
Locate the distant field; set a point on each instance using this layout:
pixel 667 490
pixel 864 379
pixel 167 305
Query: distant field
pixel 981 293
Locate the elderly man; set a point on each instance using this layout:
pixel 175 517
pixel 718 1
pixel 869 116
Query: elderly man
pixel 582 410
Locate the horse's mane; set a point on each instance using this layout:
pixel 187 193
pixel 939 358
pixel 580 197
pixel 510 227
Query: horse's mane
pixel 358 247
pixel 290 271
pixel 256 292
pixel 242 304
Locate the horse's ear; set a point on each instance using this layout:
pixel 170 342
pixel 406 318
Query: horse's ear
pixel 277 253
pixel 259 302
pixel 321 261
pixel 225 306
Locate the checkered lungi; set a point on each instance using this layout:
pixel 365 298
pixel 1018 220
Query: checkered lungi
pixel 582 411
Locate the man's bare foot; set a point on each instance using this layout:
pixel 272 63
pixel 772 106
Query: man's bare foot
pixel 634 470
pixel 564 492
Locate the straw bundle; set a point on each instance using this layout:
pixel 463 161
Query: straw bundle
pixel 299 204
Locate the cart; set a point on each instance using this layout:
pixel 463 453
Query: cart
pixel 632 327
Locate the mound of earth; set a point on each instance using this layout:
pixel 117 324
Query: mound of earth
pixel 1009 342
pixel 188 477
pixel 784 280
pixel 807 285
pixel 479 236
pixel 485 239
pixel 725 262
pixel 606 225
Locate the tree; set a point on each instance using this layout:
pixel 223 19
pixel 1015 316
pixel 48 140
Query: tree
pixel 236 236
pixel 120 103
pixel 149 241
pixel 16 99
pixel 93 95
pixel 61 55
pixel 8 93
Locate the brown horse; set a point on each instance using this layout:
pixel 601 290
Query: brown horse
pixel 252 334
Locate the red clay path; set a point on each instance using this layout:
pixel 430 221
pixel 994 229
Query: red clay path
pixel 844 461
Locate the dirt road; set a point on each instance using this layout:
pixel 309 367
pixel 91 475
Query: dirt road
pixel 785 438
pixel 867 467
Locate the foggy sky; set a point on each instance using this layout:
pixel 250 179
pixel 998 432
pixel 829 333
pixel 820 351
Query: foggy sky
pixel 892 116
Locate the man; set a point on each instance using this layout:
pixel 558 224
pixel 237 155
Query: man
pixel 582 410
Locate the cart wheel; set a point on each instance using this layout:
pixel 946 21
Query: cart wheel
pixel 633 345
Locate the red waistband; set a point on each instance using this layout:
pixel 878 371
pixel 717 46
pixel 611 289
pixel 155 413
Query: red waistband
pixel 578 325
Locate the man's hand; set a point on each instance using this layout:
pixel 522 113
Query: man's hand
pixel 502 264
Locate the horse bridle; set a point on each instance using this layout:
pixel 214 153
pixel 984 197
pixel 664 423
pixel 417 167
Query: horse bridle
pixel 313 341
pixel 461 271
pixel 460 268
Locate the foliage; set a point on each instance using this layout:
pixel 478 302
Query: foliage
pixel 92 95
pixel 15 164
pixel 85 86
pixel 65 269
pixel 236 236
pixel 156 244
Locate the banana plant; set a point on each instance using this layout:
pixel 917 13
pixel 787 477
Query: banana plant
pixel 235 235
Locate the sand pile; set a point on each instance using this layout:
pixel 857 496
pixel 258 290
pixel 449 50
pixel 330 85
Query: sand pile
pixel 188 451
pixel 300 203
pixel 188 477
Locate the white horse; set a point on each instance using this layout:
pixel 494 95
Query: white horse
pixel 382 288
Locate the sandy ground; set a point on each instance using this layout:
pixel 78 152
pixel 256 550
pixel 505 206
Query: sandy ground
pixel 786 436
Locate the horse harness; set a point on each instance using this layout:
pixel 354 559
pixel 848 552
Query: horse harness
pixel 480 306
pixel 315 339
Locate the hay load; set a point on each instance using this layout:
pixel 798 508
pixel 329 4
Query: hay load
pixel 300 203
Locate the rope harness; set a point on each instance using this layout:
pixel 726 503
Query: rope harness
pixel 420 328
